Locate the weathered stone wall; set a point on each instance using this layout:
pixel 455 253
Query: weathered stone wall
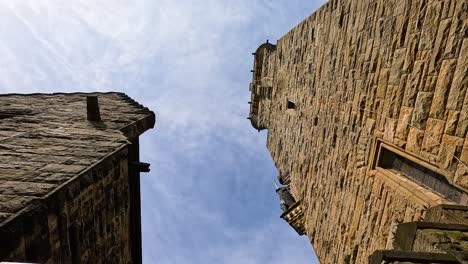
pixel 68 190
pixel 86 221
pixel 356 70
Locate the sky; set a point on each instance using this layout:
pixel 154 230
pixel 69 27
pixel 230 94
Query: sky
pixel 209 197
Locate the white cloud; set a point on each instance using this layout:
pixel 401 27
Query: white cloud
pixel 209 197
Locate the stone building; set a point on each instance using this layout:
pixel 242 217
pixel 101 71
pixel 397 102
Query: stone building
pixel 69 177
pixel 366 107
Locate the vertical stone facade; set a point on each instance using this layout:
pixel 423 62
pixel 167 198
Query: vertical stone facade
pixel 89 224
pixel 67 185
pixel 353 74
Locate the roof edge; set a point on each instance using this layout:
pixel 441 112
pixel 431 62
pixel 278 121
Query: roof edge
pixel 138 127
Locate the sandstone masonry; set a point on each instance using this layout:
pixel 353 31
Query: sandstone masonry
pixel 355 97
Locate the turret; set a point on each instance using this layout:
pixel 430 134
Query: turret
pixel 284 177
pixel 261 86
pixel 293 212
pixel 285 197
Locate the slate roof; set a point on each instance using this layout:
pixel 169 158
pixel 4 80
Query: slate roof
pixel 46 140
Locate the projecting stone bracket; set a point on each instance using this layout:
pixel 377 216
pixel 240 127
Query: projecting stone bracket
pixel 448 214
pixel 444 234
pixel 394 256
pixel 140 166
pixel 408 234
pixel 295 217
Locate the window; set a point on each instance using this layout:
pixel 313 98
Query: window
pixel 291 105
pixel 400 166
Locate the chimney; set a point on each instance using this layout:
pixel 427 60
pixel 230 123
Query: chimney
pixel 92 106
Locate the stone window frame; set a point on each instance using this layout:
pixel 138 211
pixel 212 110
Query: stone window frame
pixel 408 187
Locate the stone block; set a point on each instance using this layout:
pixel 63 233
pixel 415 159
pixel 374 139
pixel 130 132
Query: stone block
pixel 461 175
pixel 447 214
pixel 404 122
pixel 397 66
pixel 464 153
pixel 460 80
pixel 411 51
pixel 389 132
pixel 450 146
pixel 444 81
pixel 439 46
pixel 433 135
pixel 462 126
pixel 452 121
pixel 457 32
pixel 421 109
pixel 382 84
pixel 431 25
pixel 414 141
pixel 410 257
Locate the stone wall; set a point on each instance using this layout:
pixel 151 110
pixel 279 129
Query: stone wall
pixel 356 71
pixel 86 221
pixel 69 187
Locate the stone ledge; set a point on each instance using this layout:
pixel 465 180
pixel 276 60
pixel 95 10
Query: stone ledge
pixel 406 232
pixel 394 256
pixel 448 214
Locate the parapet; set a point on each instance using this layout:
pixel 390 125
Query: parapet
pixel 261 87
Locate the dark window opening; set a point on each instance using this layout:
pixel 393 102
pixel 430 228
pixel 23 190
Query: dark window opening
pixel 403 166
pixel 291 105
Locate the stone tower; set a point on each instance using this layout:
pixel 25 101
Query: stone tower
pixel 366 107
pixel 69 177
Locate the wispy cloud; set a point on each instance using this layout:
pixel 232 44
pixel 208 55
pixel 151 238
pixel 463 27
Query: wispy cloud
pixel 209 197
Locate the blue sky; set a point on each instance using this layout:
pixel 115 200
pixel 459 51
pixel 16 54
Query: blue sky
pixel 209 197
